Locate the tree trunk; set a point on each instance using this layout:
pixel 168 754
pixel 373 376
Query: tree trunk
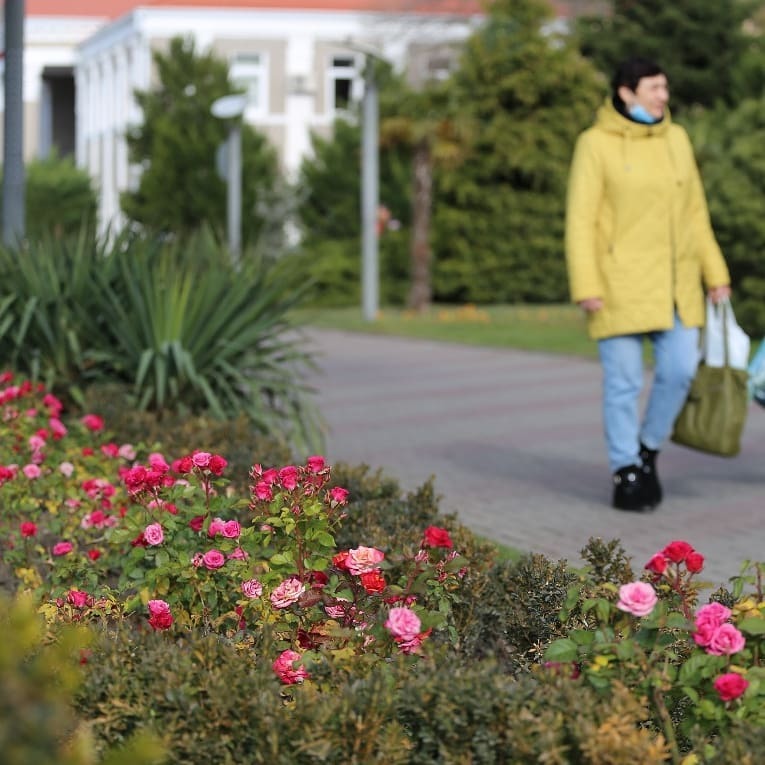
pixel 419 252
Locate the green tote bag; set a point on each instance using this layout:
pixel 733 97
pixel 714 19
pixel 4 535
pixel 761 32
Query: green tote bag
pixel 713 416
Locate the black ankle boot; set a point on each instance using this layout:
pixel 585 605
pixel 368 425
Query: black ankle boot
pixel 651 483
pixel 629 491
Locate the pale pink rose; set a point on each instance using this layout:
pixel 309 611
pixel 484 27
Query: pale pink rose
pixel 57 428
pixel 403 623
pixel 32 472
pixel 158 462
pixel 252 588
pixel 637 598
pixel 31 413
pixel 216 527
pixel 153 534
pixel 196 559
pixel 36 443
pixel 201 459
pixel 66 469
pixel 238 554
pixel 231 529
pixel 337 611
pixel 213 559
pixel 363 559
pixel 725 641
pixel 62 548
pixel 412 645
pixel 287 592
pixel 285 668
pixel 127 452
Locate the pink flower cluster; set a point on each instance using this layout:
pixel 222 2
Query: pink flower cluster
pixel 160 617
pixel 715 633
pixel 676 552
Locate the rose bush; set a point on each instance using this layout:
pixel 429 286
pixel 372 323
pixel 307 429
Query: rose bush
pixel 167 542
pixel 699 667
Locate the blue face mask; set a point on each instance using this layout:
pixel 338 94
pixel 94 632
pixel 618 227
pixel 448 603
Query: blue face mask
pixel 640 114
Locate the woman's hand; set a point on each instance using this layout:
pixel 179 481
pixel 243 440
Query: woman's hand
pixel 591 305
pixel 716 294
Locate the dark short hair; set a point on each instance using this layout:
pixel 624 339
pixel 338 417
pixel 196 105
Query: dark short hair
pixel 631 71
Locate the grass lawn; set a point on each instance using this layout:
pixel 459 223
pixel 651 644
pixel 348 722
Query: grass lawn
pixel 551 328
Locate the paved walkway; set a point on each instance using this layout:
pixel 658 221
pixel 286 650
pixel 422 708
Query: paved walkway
pixel 515 442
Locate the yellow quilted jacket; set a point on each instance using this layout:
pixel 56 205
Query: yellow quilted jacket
pixel 637 227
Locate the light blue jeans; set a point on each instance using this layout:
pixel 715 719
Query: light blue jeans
pixel 676 356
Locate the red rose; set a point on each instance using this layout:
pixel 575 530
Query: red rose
pixel 28 529
pixel 677 551
pixel 373 582
pixel 435 536
pixel 730 686
pixel 657 564
pixel 217 464
pixel 197 522
pixel 340 560
pixel 694 562
pixel 94 554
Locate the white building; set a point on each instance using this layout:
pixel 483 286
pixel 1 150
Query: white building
pixel 299 61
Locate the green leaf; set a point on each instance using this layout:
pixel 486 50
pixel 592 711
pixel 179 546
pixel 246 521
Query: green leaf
pixel 562 650
pixel 752 626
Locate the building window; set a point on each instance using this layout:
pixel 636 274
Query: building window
pixel 249 73
pixel 343 82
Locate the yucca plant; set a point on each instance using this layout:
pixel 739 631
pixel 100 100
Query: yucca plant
pixel 175 321
pixel 48 308
pixel 188 329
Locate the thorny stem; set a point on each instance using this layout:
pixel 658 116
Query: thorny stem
pixel 666 723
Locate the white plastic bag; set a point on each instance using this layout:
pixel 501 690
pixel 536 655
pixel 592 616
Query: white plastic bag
pixel 721 322
pixel 757 375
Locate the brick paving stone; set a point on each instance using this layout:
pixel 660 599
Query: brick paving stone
pixel 514 440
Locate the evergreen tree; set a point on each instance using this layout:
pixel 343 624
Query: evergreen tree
pixel 179 188
pixel 499 214
pixel 703 45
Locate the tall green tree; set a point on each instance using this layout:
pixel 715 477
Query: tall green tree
pixel 498 217
pixel 705 46
pixel 179 188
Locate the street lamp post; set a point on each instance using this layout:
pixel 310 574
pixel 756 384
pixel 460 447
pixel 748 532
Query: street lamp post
pixel 230 108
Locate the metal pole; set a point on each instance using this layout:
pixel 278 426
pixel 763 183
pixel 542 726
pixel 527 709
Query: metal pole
pixel 13 124
pixel 234 204
pixel 369 194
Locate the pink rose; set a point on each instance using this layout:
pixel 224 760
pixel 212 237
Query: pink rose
pixel 657 564
pixel 238 554
pixel 160 617
pixel 403 623
pixel 252 588
pixel 637 598
pixel 201 459
pixel 287 592
pixel 66 469
pixel 157 462
pixel 708 619
pixel 216 527
pixel 62 548
pixel 213 559
pixel 263 491
pixel 363 559
pixel 288 477
pixel 726 640
pixel 93 422
pixel 231 529
pixel 127 452
pixel 77 598
pixel 338 495
pixel 31 471
pixel 730 686
pixel 285 668
pixel 315 464
pixel 153 534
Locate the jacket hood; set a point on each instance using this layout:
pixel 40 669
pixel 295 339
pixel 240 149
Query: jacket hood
pixel 610 120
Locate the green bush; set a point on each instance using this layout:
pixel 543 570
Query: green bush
pixel 60 199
